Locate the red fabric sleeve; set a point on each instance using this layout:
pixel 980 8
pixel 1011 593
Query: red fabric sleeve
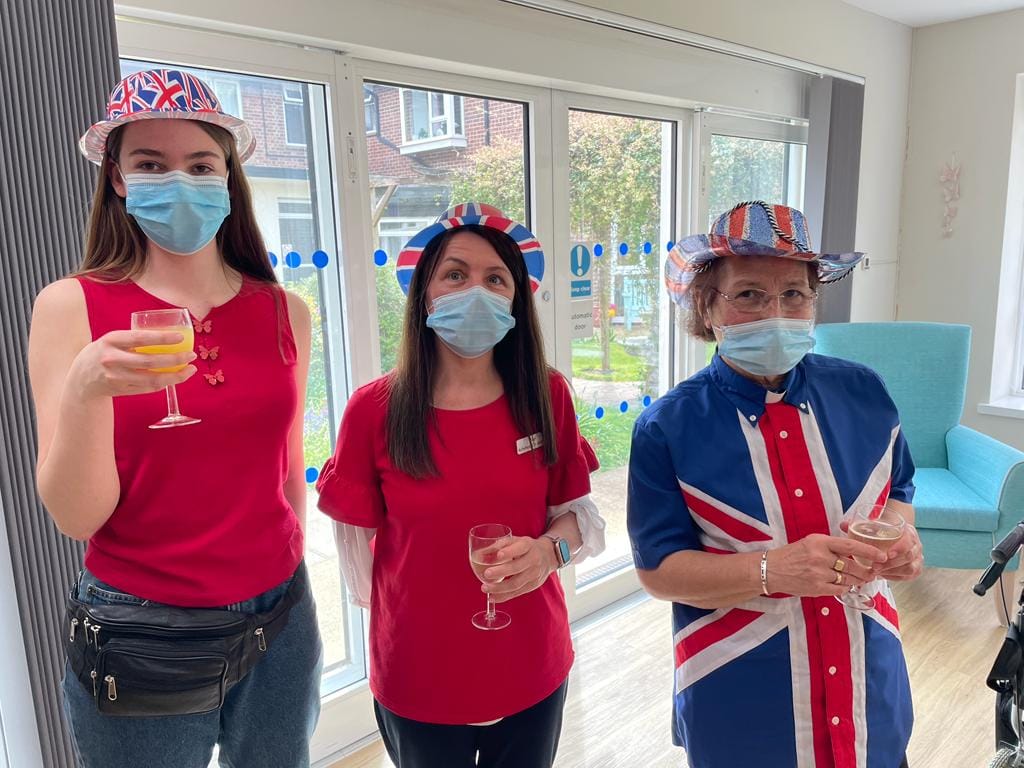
pixel 349 483
pixel 569 478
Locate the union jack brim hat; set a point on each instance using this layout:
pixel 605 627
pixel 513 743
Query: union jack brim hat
pixel 160 94
pixel 467 214
pixel 754 228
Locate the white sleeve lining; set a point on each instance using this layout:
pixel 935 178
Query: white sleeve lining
pixel 355 560
pixel 590 523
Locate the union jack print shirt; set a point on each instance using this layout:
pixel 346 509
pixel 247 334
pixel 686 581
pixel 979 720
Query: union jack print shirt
pixel 721 465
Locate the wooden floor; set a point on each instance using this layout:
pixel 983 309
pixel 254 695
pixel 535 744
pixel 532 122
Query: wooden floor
pixel 617 713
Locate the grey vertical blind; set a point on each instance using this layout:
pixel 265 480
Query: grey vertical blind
pixel 58 60
pixel 833 174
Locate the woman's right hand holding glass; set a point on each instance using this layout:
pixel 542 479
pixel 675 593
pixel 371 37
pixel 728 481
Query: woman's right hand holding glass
pixel 110 366
pixel 812 567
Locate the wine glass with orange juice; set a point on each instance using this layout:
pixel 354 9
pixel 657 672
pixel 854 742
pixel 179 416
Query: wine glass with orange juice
pixel 172 321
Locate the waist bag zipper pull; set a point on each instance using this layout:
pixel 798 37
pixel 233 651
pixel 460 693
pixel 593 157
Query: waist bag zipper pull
pixel 111 687
pixel 85 627
pixel 261 639
pixel 96 635
pixel 95 692
pixel 74 626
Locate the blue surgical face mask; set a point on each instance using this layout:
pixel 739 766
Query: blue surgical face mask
pixel 179 212
pixel 769 347
pixel 471 322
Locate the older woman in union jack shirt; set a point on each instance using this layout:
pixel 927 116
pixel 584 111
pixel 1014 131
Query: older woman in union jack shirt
pixel 740 481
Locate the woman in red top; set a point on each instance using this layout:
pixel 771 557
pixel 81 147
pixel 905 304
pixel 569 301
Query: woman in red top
pixel 201 515
pixel 472 427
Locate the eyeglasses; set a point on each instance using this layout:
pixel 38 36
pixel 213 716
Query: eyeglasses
pixel 756 300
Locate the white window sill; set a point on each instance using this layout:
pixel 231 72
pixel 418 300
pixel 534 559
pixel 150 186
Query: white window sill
pixel 1011 407
pixel 428 145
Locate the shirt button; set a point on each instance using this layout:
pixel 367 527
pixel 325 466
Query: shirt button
pixel 798 493
pixel 831 670
pixel 753 417
pixel 835 721
pixel 783 434
pixel 824 611
pixel 804 406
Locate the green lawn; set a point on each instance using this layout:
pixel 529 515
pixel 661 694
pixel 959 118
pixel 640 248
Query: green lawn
pixel 586 362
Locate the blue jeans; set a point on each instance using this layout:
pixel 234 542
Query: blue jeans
pixel 267 718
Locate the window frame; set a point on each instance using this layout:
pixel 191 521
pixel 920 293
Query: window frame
pixel 450 139
pixel 293 102
pixel 371 102
pixel 221 83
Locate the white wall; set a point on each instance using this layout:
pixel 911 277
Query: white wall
pixel 19 736
pixel 962 100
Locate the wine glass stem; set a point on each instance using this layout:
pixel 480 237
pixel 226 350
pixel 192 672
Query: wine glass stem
pixel 172 401
pixel 490 608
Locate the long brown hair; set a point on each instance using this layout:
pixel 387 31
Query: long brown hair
pixel 115 246
pixel 519 359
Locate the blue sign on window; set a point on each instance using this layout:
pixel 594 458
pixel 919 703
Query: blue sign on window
pixel 579 260
pixel 580 289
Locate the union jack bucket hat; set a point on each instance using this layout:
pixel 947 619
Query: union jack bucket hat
pixel 463 215
pixel 754 228
pixel 163 93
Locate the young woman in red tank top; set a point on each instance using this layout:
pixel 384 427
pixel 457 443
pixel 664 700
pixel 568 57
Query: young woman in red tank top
pixel 206 514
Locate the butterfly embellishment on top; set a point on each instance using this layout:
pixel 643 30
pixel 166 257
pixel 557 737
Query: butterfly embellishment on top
pixel 213 379
pixel 209 354
pixel 202 326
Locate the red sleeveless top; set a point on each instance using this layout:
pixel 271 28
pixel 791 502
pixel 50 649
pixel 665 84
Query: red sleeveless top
pixel 202 519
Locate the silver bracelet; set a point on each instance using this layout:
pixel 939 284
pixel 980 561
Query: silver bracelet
pixel 764 573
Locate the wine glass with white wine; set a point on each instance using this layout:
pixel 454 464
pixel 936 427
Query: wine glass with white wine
pixel 880 527
pixel 485 541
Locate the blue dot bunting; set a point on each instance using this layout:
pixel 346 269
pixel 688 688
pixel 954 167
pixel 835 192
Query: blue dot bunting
pixel 599 413
pixel 320 259
pixel 647 248
pixel 598 250
pixel 312 473
pixel 293 259
pixel 273 258
pixel 380 258
pixel 647 400
pixel 623 406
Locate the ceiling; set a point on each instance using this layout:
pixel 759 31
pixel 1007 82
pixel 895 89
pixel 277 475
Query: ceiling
pixel 921 13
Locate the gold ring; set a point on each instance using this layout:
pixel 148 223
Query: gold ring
pixel 840 565
pixel 839 578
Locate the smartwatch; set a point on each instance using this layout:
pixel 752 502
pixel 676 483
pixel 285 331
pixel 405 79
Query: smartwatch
pixel 563 552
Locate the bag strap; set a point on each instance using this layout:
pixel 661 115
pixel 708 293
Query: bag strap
pixel 265 627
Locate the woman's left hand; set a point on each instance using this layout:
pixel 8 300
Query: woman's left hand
pixel 522 566
pixel 906 558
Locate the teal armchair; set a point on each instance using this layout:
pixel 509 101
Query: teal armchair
pixel 970 487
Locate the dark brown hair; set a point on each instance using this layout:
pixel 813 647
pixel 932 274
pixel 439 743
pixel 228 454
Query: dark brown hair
pixel 115 246
pixel 519 359
pixel 702 296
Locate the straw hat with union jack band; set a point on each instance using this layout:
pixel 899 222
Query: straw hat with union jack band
pixel 163 93
pixel 753 228
pixel 467 214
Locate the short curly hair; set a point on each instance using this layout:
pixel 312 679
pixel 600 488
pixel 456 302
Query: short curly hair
pixel 702 296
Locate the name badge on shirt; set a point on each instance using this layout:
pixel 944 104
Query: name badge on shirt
pixel 531 443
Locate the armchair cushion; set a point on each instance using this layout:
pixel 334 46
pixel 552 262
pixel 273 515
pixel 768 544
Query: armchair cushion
pixel 943 500
pixel 993 470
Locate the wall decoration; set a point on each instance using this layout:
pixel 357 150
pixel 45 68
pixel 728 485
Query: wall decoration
pixel 949 178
